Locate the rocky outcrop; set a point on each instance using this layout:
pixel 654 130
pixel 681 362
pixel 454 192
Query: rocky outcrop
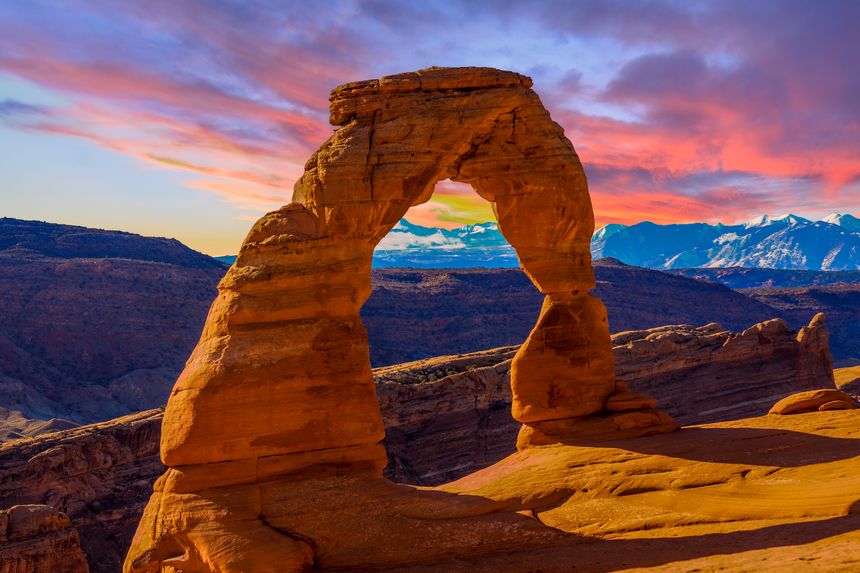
pixel 284 356
pixel 705 374
pixel 39 539
pixel 838 302
pixel 820 400
pixel 100 476
pixel 448 416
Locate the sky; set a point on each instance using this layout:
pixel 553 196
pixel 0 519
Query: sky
pixel 192 118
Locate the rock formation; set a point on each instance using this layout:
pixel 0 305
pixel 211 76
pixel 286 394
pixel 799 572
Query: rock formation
pixel 838 302
pixel 707 373
pixel 283 357
pixel 39 539
pixel 820 400
pixel 448 416
pixel 100 476
pixel 775 493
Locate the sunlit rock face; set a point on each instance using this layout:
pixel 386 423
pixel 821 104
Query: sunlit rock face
pixel 279 389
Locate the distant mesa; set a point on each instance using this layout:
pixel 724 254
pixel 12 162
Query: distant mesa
pixel 37 238
pixel 94 324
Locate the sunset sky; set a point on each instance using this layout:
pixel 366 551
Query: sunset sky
pixel 191 118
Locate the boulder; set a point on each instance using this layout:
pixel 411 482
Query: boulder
pixel 813 400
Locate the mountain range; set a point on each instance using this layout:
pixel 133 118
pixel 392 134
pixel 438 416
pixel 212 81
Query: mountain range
pixel 776 242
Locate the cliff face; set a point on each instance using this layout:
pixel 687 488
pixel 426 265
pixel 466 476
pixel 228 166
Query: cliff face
pixel 707 374
pixel 39 539
pixel 100 476
pixel 447 416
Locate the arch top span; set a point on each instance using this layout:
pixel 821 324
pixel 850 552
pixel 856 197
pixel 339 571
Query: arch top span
pixel 401 134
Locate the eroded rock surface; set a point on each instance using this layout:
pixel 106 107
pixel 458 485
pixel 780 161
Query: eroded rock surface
pixel 100 476
pixel 280 383
pixel 705 374
pixel 448 416
pixel 822 399
pixel 39 539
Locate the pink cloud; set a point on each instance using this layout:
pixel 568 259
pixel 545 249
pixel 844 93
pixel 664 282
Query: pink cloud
pixel 733 108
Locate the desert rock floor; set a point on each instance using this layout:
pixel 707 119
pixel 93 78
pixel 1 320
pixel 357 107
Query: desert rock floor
pixel 775 493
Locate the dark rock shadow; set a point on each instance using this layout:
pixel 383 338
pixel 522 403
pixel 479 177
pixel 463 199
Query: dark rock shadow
pixel 593 555
pixel 754 446
pixel 627 553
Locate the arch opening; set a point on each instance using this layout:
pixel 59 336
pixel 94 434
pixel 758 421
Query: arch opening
pixel 446 264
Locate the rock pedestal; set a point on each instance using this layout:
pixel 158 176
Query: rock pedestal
pixel 279 387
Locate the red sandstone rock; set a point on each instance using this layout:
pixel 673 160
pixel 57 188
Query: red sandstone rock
pixel 39 539
pixel 284 347
pixel 810 401
pixel 629 400
pixel 100 476
pixel 735 375
pixel 837 405
pixel 283 357
pixel 444 418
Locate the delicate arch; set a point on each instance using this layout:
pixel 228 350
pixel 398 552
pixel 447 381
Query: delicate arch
pixel 279 388
pixel 284 355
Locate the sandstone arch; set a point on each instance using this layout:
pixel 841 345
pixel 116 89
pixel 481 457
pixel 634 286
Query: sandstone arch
pixel 280 381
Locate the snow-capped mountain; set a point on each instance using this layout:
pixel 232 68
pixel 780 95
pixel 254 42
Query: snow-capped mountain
pixel 410 245
pixel 847 222
pixel 782 242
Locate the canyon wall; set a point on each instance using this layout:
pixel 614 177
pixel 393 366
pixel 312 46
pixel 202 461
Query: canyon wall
pixel 100 476
pixel 39 539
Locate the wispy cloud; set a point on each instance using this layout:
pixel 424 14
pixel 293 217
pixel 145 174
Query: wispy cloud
pixel 712 110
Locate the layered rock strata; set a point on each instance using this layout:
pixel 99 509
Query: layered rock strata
pixel 100 476
pixel 705 374
pixel 39 539
pixel 283 357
